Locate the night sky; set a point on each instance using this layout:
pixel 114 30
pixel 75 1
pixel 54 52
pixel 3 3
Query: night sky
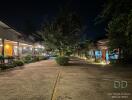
pixel 16 13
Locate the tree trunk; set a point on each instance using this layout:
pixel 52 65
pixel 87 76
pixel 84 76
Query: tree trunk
pixel 18 50
pixel 60 52
pixel 94 55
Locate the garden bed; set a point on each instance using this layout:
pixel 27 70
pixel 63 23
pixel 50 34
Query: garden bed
pixel 12 62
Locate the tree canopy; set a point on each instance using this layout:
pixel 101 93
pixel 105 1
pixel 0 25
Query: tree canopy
pixel 119 14
pixel 63 33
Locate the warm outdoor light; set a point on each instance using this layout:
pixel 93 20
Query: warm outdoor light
pixel 103 63
pixel 24 48
pixel 7 46
pixel 8 49
pixel 30 48
pixel 36 49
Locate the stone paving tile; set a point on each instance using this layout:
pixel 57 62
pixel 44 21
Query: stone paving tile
pixel 79 81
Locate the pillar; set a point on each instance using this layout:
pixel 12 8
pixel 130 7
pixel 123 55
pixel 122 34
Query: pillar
pixel 33 50
pixel 18 49
pixel 3 48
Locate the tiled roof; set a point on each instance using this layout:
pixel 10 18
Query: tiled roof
pixel 102 43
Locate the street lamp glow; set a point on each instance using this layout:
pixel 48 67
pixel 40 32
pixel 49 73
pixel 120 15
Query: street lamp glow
pixel 103 63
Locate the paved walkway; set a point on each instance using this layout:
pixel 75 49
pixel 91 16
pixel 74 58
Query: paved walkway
pixel 45 80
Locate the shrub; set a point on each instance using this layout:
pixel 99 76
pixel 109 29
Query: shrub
pixel 9 57
pixel 7 66
pixel 118 62
pixel 98 60
pixel 18 63
pixel 54 55
pixel 62 60
pixel 87 56
pixel 2 66
pixel 45 58
pixel 1 57
pixel 27 59
pixel 112 61
pixel 36 58
pixel 68 53
pixel 11 65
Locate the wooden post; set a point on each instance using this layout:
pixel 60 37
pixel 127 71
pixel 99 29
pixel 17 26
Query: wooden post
pixel 3 48
pixel 33 50
pixel 94 55
pixel 18 50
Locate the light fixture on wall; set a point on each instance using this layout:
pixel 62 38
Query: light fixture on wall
pixel 15 47
pixel 7 46
pixel 24 48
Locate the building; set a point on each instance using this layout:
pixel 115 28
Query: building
pixel 13 44
pixel 103 52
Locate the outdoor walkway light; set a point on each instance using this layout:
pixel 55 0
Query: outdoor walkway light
pixel 103 63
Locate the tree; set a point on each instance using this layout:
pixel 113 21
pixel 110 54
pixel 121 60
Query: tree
pixel 113 8
pixel 119 16
pixel 63 33
pixel 116 29
pixel 83 47
pixel 129 36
